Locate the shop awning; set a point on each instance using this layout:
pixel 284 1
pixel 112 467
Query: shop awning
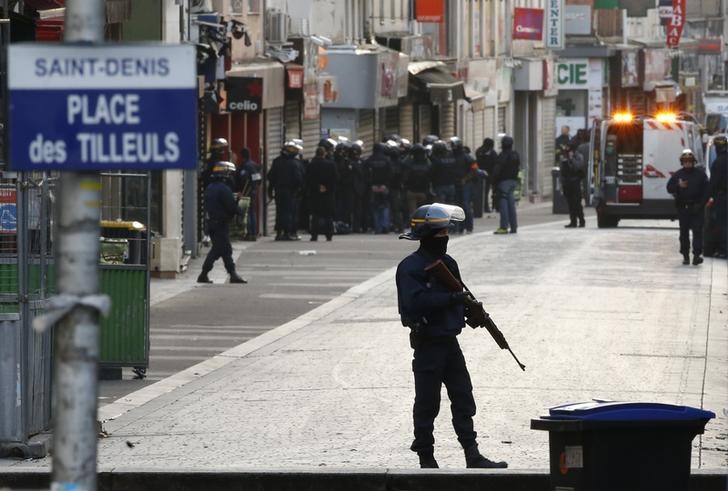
pixel 475 98
pixel 116 10
pixel 273 75
pixel 433 77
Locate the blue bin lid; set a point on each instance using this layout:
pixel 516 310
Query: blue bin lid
pixel 628 411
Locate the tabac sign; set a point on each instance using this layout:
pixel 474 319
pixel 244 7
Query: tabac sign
pixel 97 107
pixel 677 23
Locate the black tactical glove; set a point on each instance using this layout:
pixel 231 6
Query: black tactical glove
pixel 475 315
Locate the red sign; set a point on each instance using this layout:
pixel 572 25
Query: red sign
pixel 528 24
pixel 710 46
pixel 295 76
pixel 429 10
pixel 677 22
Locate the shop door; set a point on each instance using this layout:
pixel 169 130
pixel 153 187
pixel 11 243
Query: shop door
pixel 406 122
pixel 447 118
pixel 424 121
pixel 365 132
pixel 489 123
pixel 548 143
pixel 478 129
pixel 293 119
pixel 311 135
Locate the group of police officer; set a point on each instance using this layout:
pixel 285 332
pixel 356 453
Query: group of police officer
pixel 339 192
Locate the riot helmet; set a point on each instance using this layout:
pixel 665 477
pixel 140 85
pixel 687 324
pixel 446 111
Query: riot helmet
pixel 456 143
pixel 327 144
pixel 427 220
pixel 439 148
pixel 687 157
pixel 355 150
pixel 418 151
pixel 290 149
pixel 721 144
pixel 506 142
pixel 430 140
pixel 223 171
pixel 218 146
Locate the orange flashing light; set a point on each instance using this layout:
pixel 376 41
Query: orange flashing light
pixel 666 117
pixel 623 117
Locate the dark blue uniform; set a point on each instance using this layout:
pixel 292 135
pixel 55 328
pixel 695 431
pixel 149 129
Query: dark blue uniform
pixel 220 208
pixel 690 202
pixel 429 309
pixel 285 179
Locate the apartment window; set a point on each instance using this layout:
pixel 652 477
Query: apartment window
pixel 254 6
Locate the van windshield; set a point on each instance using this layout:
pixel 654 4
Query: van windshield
pixel 627 138
pixel 715 123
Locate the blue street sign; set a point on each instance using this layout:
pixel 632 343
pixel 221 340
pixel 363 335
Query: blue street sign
pixel 102 107
pixel 8 217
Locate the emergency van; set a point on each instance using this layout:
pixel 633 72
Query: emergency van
pixel 631 160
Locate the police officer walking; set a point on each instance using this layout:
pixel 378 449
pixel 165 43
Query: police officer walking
pixel 689 185
pixel 506 181
pixel 718 189
pixel 378 168
pixel 487 156
pixel 572 169
pixel 436 315
pixel 220 208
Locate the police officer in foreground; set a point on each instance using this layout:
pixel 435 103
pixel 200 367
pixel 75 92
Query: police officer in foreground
pixel 436 315
pixel 718 191
pixel 220 209
pixel 689 185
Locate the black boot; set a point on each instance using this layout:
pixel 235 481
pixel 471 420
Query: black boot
pixel 203 278
pixel 686 258
pixel 427 460
pixel 697 260
pixel 570 225
pixel 234 278
pixel 474 460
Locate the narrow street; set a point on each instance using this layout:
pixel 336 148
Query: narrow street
pixel 605 314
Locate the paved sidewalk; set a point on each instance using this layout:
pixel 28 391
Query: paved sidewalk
pixel 592 313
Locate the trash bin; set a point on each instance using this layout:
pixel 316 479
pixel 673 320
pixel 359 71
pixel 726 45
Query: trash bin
pixel 625 446
pixel 559 207
pixel 124 277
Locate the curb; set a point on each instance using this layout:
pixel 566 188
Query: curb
pixel 127 479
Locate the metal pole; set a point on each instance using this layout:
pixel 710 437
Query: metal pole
pixel 77 335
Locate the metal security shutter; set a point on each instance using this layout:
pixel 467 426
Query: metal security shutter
pixel 366 129
pixel 548 143
pixel 310 134
pixel 391 121
pixel 501 119
pixel 488 123
pixel 406 122
pixel 447 125
pixel 478 128
pixel 273 144
pixel 425 121
pixel 293 119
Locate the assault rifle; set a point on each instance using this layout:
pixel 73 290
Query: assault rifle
pixel 476 316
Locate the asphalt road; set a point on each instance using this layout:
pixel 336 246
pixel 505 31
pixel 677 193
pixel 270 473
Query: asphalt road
pixel 286 280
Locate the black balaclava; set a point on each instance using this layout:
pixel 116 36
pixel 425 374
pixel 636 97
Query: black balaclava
pixel 435 246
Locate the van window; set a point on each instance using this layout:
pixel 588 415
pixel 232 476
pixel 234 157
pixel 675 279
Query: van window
pixel 627 138
pixel 716 123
